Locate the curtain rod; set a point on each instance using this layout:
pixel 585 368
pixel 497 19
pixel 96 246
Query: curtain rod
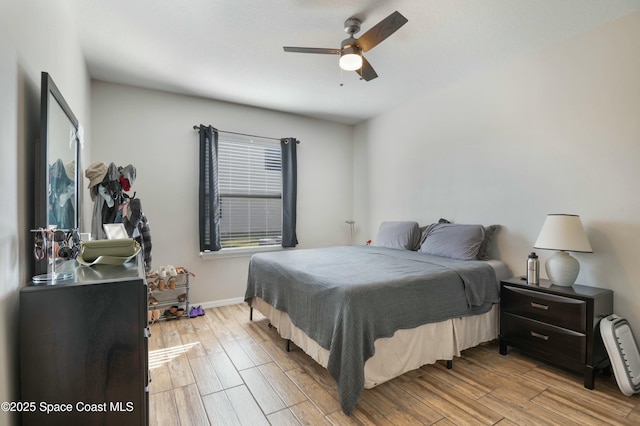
pixel 196 127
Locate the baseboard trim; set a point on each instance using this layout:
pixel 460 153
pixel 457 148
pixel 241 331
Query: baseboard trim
pixel 218 303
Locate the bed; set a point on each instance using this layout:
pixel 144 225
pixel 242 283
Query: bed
pixel 371 313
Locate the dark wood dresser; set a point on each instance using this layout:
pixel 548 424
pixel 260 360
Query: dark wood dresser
pixel 83 348
pixel 556 324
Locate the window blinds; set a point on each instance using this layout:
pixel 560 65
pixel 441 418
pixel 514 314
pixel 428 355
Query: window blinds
pixel 250 183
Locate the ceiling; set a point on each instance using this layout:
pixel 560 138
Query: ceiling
pixel 231 50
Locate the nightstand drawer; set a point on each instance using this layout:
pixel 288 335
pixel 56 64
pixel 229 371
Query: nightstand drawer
pixel 544 339
pixel 549 308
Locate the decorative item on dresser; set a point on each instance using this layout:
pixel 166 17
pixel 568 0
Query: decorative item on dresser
pixel 563 233
pixel 556 324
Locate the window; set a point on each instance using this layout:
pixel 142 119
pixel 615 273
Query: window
pixel 250 188
pixel 247 190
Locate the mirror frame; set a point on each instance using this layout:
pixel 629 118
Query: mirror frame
pixel 48 87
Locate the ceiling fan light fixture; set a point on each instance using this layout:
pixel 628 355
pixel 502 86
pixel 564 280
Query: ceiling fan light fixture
pixel 350 58
pixel 351 49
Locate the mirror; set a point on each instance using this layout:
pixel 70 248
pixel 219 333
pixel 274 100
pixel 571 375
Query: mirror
pixel 58 161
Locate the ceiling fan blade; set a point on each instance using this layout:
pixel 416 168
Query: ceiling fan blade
pixel 367 72
pixel 312 50
pixel 381 31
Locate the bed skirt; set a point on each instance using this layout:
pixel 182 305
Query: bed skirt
pixel 406 350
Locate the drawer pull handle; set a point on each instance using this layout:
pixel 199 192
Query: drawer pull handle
pixel 539 306
pixel 539 336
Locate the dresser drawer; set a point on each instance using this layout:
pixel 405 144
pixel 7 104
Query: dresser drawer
pixel 543 338
pixel 549 308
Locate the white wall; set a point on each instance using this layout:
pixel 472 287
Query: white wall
pixel 555 132
pixel 154 132
pixel 35 36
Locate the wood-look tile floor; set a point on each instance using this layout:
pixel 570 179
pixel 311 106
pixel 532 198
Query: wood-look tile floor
pixel 222 369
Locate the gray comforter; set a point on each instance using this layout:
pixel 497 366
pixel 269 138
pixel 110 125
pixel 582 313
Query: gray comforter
pixel 345 298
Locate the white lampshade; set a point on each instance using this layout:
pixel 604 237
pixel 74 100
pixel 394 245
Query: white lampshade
pixel 563 232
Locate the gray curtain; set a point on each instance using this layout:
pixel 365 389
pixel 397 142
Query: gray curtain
pixel 209 195
pixel 289 191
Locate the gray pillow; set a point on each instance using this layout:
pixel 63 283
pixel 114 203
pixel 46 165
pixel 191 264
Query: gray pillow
pixel 424 230
pixel 398 235
pixel 483 251
pixel 453 241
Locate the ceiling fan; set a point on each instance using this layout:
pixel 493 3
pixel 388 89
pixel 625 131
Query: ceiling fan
pixel 351 49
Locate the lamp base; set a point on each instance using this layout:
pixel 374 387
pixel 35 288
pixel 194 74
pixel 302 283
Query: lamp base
pixel 562 269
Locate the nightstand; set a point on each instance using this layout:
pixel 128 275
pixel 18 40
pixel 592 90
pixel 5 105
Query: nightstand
pixel 556 324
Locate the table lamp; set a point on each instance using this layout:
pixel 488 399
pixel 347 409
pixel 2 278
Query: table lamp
pixel 563 233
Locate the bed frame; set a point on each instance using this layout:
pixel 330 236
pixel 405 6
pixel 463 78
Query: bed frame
pixel 406 350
